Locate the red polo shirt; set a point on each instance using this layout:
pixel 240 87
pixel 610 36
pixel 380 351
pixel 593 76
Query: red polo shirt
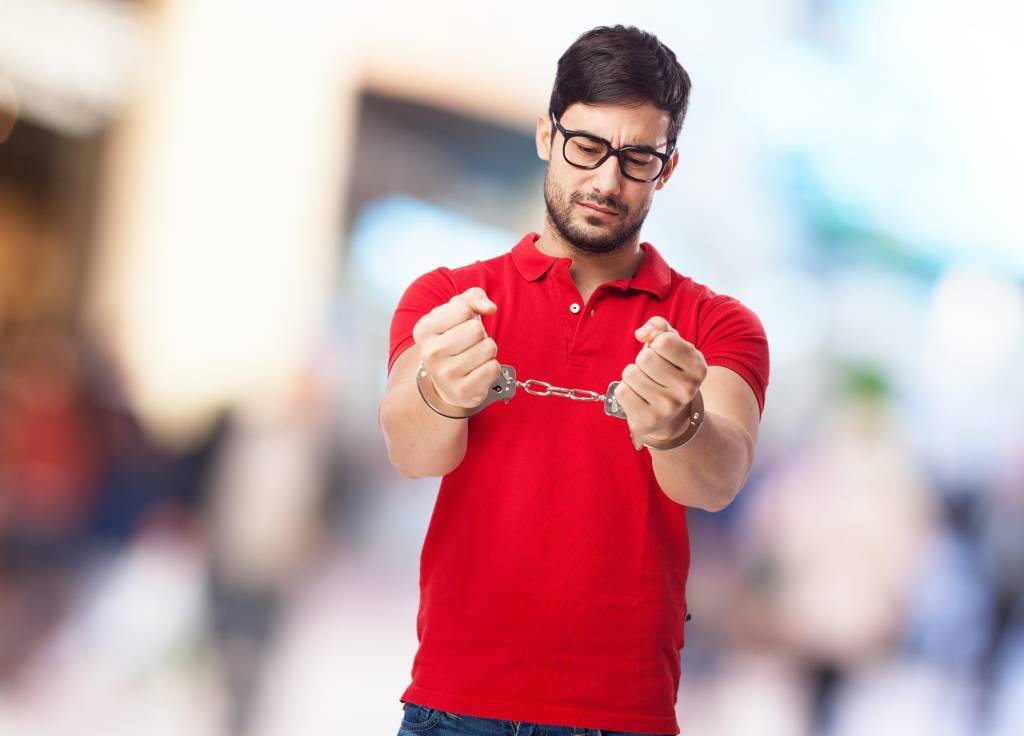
pixel 553 572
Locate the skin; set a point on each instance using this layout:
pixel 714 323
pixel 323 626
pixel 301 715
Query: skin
pixel 575 192
pixel 657 387
pixel 460 361
pixel 594 218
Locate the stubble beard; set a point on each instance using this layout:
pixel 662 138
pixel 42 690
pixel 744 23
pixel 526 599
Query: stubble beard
pixel 606 240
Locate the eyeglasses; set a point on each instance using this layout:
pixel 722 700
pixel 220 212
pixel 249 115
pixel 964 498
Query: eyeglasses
pixel 586 151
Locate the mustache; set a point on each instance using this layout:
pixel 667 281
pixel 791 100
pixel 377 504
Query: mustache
pixel 609 203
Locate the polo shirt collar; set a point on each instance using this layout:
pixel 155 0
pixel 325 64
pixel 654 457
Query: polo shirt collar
pixel 653 276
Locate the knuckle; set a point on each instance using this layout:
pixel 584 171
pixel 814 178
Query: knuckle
pixel 422 327
pixel 463 312
pixel 428 351
pixel 455 301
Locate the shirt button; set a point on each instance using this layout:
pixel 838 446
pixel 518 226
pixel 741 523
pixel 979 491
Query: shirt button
pixel 574 308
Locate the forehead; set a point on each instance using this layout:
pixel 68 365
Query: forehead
pixel 641 125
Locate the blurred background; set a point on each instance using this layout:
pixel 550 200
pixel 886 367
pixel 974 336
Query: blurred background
pixel 208 211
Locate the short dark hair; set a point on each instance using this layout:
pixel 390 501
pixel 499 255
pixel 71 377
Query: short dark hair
pixel 624 65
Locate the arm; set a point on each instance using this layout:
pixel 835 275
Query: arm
pixel 459 358
pixel 709 470
pixel 420 442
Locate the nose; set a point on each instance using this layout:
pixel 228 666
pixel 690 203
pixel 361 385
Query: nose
pixel 607 178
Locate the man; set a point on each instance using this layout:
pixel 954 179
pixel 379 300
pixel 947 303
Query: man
pixel 554 568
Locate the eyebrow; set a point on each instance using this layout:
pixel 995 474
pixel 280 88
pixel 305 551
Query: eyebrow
pixel 641 146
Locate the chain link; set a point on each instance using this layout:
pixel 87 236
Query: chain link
pixel 576 394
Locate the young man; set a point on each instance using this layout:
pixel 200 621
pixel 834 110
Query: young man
pixel 554 568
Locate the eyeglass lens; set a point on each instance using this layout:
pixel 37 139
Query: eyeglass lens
pixel 587 152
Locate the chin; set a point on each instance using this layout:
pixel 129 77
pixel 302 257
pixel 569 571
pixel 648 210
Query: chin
pixel 605 245
pixel 593 222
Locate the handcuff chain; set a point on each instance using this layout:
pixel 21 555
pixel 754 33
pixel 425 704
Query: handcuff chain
pixel 576 394
pixel 505 390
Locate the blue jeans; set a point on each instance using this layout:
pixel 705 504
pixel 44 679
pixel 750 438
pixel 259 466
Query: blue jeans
pixel 419 719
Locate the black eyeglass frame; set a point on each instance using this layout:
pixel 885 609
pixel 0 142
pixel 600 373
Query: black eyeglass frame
pixel 612 151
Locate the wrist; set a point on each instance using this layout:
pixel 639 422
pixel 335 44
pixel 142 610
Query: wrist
pixel 432 397
pixel 675 428
pixel 690 423
pixel 438 400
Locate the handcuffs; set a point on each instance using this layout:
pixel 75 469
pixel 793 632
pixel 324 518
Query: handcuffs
pixel 504 389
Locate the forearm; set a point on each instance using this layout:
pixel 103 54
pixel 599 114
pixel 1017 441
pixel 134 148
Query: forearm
pixel 420 442
pixel 709 470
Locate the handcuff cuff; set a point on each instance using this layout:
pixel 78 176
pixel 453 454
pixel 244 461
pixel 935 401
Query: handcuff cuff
pixel 505 389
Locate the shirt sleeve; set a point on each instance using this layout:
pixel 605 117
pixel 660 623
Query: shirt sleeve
pixel 731 335
pixel 426 292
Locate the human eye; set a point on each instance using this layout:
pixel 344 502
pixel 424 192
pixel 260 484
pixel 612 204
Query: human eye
pixel 639 156
pixel 584 151
pixel 588 147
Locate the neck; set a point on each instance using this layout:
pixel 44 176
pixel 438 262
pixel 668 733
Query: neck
pixel 590 270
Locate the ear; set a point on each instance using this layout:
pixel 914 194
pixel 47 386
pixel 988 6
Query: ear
pixel 543 137
pixel 669 168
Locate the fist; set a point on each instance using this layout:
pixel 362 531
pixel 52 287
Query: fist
pixel 456 351
pixel 659 384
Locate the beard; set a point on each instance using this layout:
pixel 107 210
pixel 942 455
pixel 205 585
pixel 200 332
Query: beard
pixel 601 236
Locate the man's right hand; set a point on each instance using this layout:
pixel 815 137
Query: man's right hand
pixel 456 351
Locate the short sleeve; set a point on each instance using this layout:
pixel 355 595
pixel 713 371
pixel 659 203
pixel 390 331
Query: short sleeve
pixel 426 292
pixel 731 335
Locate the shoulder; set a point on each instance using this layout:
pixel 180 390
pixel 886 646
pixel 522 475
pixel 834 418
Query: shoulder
pixel 686 294
pixel 462 277
pixel 445 282
pixel 704 302
pixel 726 331
pixel 723 307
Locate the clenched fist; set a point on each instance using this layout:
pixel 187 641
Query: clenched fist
pixel 659 384
pixel 456 351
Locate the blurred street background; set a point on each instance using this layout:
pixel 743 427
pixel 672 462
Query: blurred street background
pixel 208 211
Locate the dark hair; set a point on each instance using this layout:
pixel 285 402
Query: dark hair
pixel 624 65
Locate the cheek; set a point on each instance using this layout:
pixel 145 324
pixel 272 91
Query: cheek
pixel 640 202
pixel 569 177
pixel 563 184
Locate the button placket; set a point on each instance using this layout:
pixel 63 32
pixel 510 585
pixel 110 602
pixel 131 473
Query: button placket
pixel 581 344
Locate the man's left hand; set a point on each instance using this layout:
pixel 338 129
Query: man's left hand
pixel 659 384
